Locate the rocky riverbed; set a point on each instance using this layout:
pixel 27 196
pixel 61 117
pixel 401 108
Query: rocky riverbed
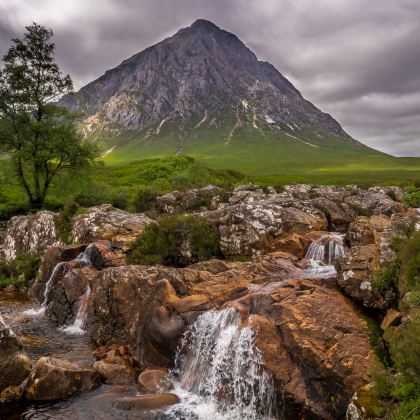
pixel 280 332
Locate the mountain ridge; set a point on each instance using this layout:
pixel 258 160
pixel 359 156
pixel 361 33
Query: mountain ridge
pixel 201 85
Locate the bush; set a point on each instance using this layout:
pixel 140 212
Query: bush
pixel 410 260
pixel 387 278
pixel 412 196
pixel 145 200
pixel 177 241
pixel 63 221
pixel 404 345
pixel 19 271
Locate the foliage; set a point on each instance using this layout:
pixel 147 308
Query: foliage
pixel 412 196
pixel 403 346
pixel 20 270
pixel 387 278
pixel 63 221
pixel 39 136
pixel 177 240
pixel 145 200
pixel 410 257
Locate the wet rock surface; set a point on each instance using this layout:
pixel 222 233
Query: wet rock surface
pixel 15 365
pixel 55 379
pixel 307 326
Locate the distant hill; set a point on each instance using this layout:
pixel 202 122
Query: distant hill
pixel 203 93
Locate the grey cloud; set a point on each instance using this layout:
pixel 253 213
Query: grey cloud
pixel 358 60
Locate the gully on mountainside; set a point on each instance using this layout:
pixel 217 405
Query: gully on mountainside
pixel 277 336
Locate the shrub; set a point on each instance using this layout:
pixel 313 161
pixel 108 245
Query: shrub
pixel 63 221
pixel 20 270
pixel 410 258
pixel 404 345
pixel 145 200
pixel 360 211
pixel 387 278
pixel 176 241
pixel 412 196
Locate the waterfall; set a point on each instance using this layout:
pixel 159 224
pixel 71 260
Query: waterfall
pixel 326 249
pixel 77 326
pixel 322 253
pixel 219 372
pixel 48 286
pixel 84 259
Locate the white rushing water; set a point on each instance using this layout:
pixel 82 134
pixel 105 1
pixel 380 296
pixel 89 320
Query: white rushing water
pixel 322 253
pixel 48 286
pixel 84 258
pixel 77 326
pixel 219 372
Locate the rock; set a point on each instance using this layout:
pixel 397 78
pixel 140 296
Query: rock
pixel 109 223
pixel 53 256
pixel 55 379
pixel 392 319
pixel 394 192
pixel 294 244
pixel 334 192
pixel 15 365
pixel 102 254
pixel 154 380
pixel 374 203
pixel 308 335
pixel 339 217
pixel 253 227
pixel 115 370
pixel 30 234
pixel 10 394
pixel 355 272
pixel 68 286
pixel 146 402
pixel 361 232
pixel 188 200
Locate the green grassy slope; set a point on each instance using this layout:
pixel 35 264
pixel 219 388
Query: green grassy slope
pixel 275 156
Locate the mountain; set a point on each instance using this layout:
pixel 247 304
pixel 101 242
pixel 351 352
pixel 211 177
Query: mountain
pixel 203 92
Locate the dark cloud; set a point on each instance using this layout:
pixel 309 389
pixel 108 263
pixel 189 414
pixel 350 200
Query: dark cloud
pixel 358 60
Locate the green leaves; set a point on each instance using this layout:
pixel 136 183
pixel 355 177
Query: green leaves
pixel 40 137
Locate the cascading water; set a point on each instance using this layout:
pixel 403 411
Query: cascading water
pixel 219 371
pixel 322 253
pixel 77 327
pixel 84 258
pixel 48 285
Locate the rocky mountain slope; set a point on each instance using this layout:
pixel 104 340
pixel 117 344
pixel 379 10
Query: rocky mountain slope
pixel 202 86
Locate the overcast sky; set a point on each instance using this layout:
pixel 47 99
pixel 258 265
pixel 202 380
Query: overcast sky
pixel 359 60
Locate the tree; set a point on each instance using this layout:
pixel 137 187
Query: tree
pixel 40 137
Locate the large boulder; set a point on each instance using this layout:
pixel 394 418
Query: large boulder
pixel 372 202
pixel 55 379
pixel 68 287
pixel 15 365
pixel 188 200
pixel 115 370
pixel 107 222
pixel 53 256
pixel 315 344
pixel 33 233
pixel 356 271
pixel 253 227
pixel 339 216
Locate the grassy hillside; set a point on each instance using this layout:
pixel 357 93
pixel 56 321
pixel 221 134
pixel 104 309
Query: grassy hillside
pixel 124 186
pixel 275 156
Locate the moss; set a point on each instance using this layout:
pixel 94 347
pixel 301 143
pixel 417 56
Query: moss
pixel 166 242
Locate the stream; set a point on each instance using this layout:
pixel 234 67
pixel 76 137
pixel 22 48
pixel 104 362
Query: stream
pixel 215 358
